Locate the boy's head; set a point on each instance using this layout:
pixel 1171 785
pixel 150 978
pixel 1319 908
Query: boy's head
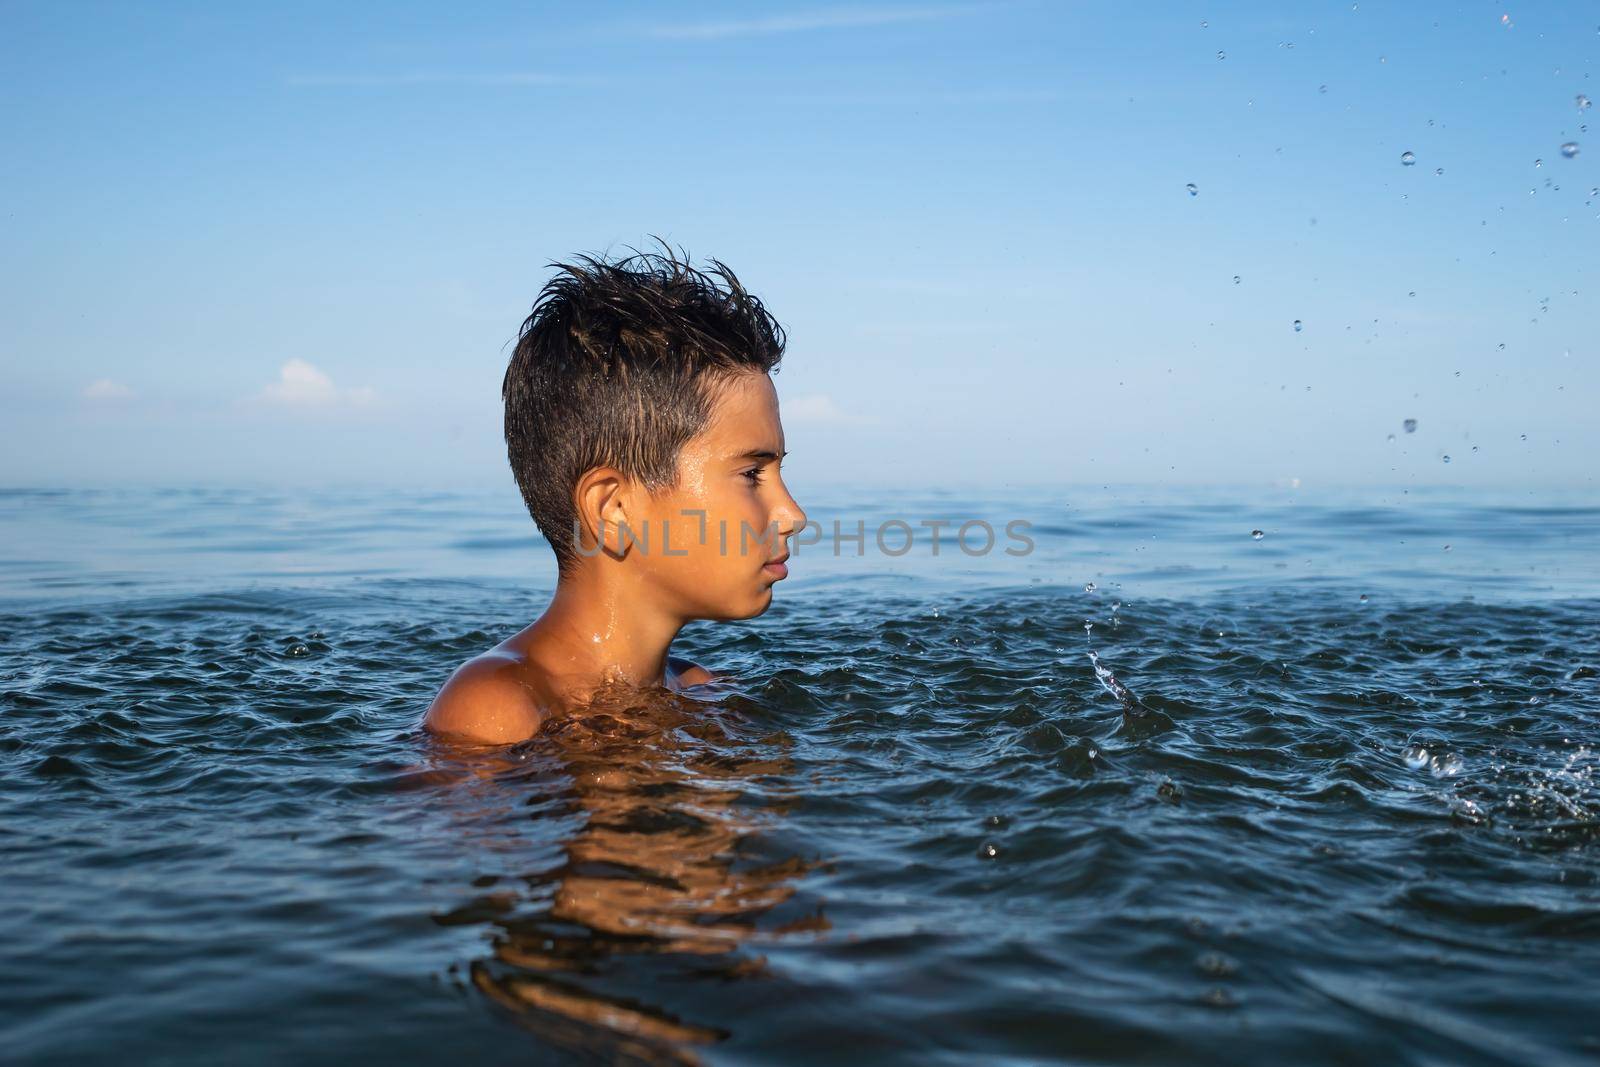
pixel 638 395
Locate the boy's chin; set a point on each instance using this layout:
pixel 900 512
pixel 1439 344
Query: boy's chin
pixel 748 610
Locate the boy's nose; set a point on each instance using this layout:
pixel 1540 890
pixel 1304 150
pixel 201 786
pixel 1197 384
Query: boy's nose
pixel 791 520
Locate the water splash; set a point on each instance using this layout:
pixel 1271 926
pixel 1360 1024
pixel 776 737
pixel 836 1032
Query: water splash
pixel 1108 681
pixel 1136 714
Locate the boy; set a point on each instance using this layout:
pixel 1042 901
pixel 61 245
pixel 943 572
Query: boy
pixel 642 427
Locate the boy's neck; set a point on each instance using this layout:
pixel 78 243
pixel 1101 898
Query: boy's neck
pixel 599 629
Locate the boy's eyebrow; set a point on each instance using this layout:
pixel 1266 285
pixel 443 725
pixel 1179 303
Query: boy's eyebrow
pixel 759 453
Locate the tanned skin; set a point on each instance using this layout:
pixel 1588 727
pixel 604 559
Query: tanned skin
pixel 616 611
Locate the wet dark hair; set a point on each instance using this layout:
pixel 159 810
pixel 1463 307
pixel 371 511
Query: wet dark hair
pixel 618 365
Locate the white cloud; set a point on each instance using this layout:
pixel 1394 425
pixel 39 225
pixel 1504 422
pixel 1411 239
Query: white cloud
pixel 835 18
pixel 106 389
pixel 817 409
pixel 302 385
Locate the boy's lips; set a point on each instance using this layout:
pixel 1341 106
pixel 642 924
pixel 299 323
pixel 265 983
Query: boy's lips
pixel 776 566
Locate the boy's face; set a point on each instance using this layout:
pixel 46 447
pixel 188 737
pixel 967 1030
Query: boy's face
pixel 729 471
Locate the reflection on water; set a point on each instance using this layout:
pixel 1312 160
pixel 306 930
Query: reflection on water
pixel 656 888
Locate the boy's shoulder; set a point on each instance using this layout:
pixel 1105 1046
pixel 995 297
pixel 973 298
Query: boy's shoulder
pixel 492 698
pixel 489 700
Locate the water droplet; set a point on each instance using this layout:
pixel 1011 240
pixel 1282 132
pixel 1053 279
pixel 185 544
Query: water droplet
pixel 1416 757
pixel 1569 149
pixel 1363 598
pixel 1256 535
pixel 1444 766
pixel 1194 190
pixel 1524 437
pixel 1297 326
pixel 1502 347
pixel 1447 548
pixel 1538 163
pixel 1391 437
pixel 1221 54
pixel 1412 293
pixel 1582 102
pixel 1089 587
pixel 988 851
pixel 1595 191
pixel 1447 459
pixel 1204 24
pixel 1408 159
pixel 1322 88
pixel 1438 171
pixel 1410 425
pixel 1235 279
pixel 1474 448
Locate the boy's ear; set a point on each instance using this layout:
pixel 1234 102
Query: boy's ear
pixel 601 498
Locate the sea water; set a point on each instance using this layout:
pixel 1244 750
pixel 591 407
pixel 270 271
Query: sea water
pixel 1205 776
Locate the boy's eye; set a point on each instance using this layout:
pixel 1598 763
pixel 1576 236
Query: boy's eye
pixel 754 474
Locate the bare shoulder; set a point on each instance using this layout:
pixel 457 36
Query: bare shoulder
pixel 687 672
pixel 486 700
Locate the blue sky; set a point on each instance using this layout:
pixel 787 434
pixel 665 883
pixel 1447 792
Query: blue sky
pixel 292 245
